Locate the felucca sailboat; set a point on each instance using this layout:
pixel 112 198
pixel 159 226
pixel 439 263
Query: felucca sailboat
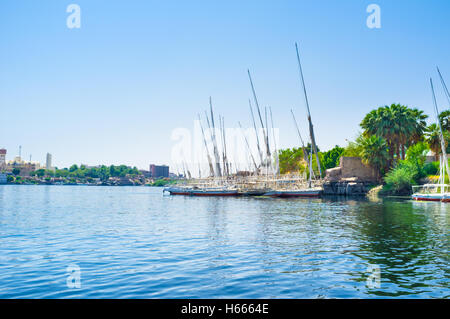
pixel 436 192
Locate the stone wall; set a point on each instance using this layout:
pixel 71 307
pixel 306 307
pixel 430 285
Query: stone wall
pixel 351 178
pixel 346 188
pixel 354 167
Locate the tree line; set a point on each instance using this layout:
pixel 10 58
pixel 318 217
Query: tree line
pixel 103 172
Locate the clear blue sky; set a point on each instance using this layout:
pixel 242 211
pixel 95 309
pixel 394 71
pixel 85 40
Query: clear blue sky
pixel 113 91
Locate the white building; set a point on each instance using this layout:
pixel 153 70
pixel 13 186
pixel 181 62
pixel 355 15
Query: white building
pixel 48 162
pixel 2 157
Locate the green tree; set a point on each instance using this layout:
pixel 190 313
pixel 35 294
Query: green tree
pixel 104 173
pixel 444 117
pixel 374 152
pixel 61 172
pixel 16 171
pixel 291 160
pixel 434 140
pixel 331 158
pixel 113 171
pixel 93 172
pixel 354 148
pixel 417 153
pixel 134 171
pixel 398 125
pixel 49 172
pixel 308 148
pixel 40 172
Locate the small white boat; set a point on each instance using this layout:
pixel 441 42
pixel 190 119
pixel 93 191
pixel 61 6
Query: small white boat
pixel 431 193
pixel 177 190
pixel 436 192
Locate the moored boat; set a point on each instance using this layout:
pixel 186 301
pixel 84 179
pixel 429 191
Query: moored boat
pixel 200 191
pixel 431 193
pixel 436 192
pixel 177 190
pixel 214 192
pixel 257 192
pixel 310 192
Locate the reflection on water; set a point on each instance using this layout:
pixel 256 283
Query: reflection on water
pixel 132 242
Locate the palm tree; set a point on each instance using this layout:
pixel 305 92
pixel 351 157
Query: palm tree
pixel 399 125
pixel 412 126
pixel 420 128
pixel 444 117
pixel 434 140
pixel 380 122
pixel 374 152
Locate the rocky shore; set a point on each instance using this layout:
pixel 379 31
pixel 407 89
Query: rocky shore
pixel 350 178
pixel 346 188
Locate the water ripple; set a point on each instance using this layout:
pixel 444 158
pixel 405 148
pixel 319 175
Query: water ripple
pixel 131 242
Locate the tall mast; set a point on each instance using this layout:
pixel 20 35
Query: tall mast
pixel 211 168
pixel 444 153
pixel 311 172
pixel 184 169
pixel 266 139
pixel 216 153
pixel 311 130
pixel 224 147
pixel 447 94
pixel 305 153
pixel 277 167
pixel 269 157
pixel 256 132
pixel 249 150
pixel 188 172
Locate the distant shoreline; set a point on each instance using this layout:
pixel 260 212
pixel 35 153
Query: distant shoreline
pixel 42 184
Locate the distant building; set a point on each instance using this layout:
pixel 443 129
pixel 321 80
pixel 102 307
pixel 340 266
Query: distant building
pixel 145 173
pixel 159 171
pixel 25 167
pixel 48 162
pixel 2 157
pixel 3 178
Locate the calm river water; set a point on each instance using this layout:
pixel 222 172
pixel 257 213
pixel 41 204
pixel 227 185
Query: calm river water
pixel 133 242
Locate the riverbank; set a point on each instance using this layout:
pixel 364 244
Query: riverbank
pixel 111 181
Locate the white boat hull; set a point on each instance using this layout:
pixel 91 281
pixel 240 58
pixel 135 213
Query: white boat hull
pixel 432 197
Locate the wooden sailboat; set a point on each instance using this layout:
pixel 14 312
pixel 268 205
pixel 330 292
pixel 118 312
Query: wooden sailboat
pixel 306 190
pixel 265 179
pixel 439 192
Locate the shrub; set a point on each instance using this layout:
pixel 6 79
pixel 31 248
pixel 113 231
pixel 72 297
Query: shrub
pixel 332 157
pixel 400 179
pixel 431 168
